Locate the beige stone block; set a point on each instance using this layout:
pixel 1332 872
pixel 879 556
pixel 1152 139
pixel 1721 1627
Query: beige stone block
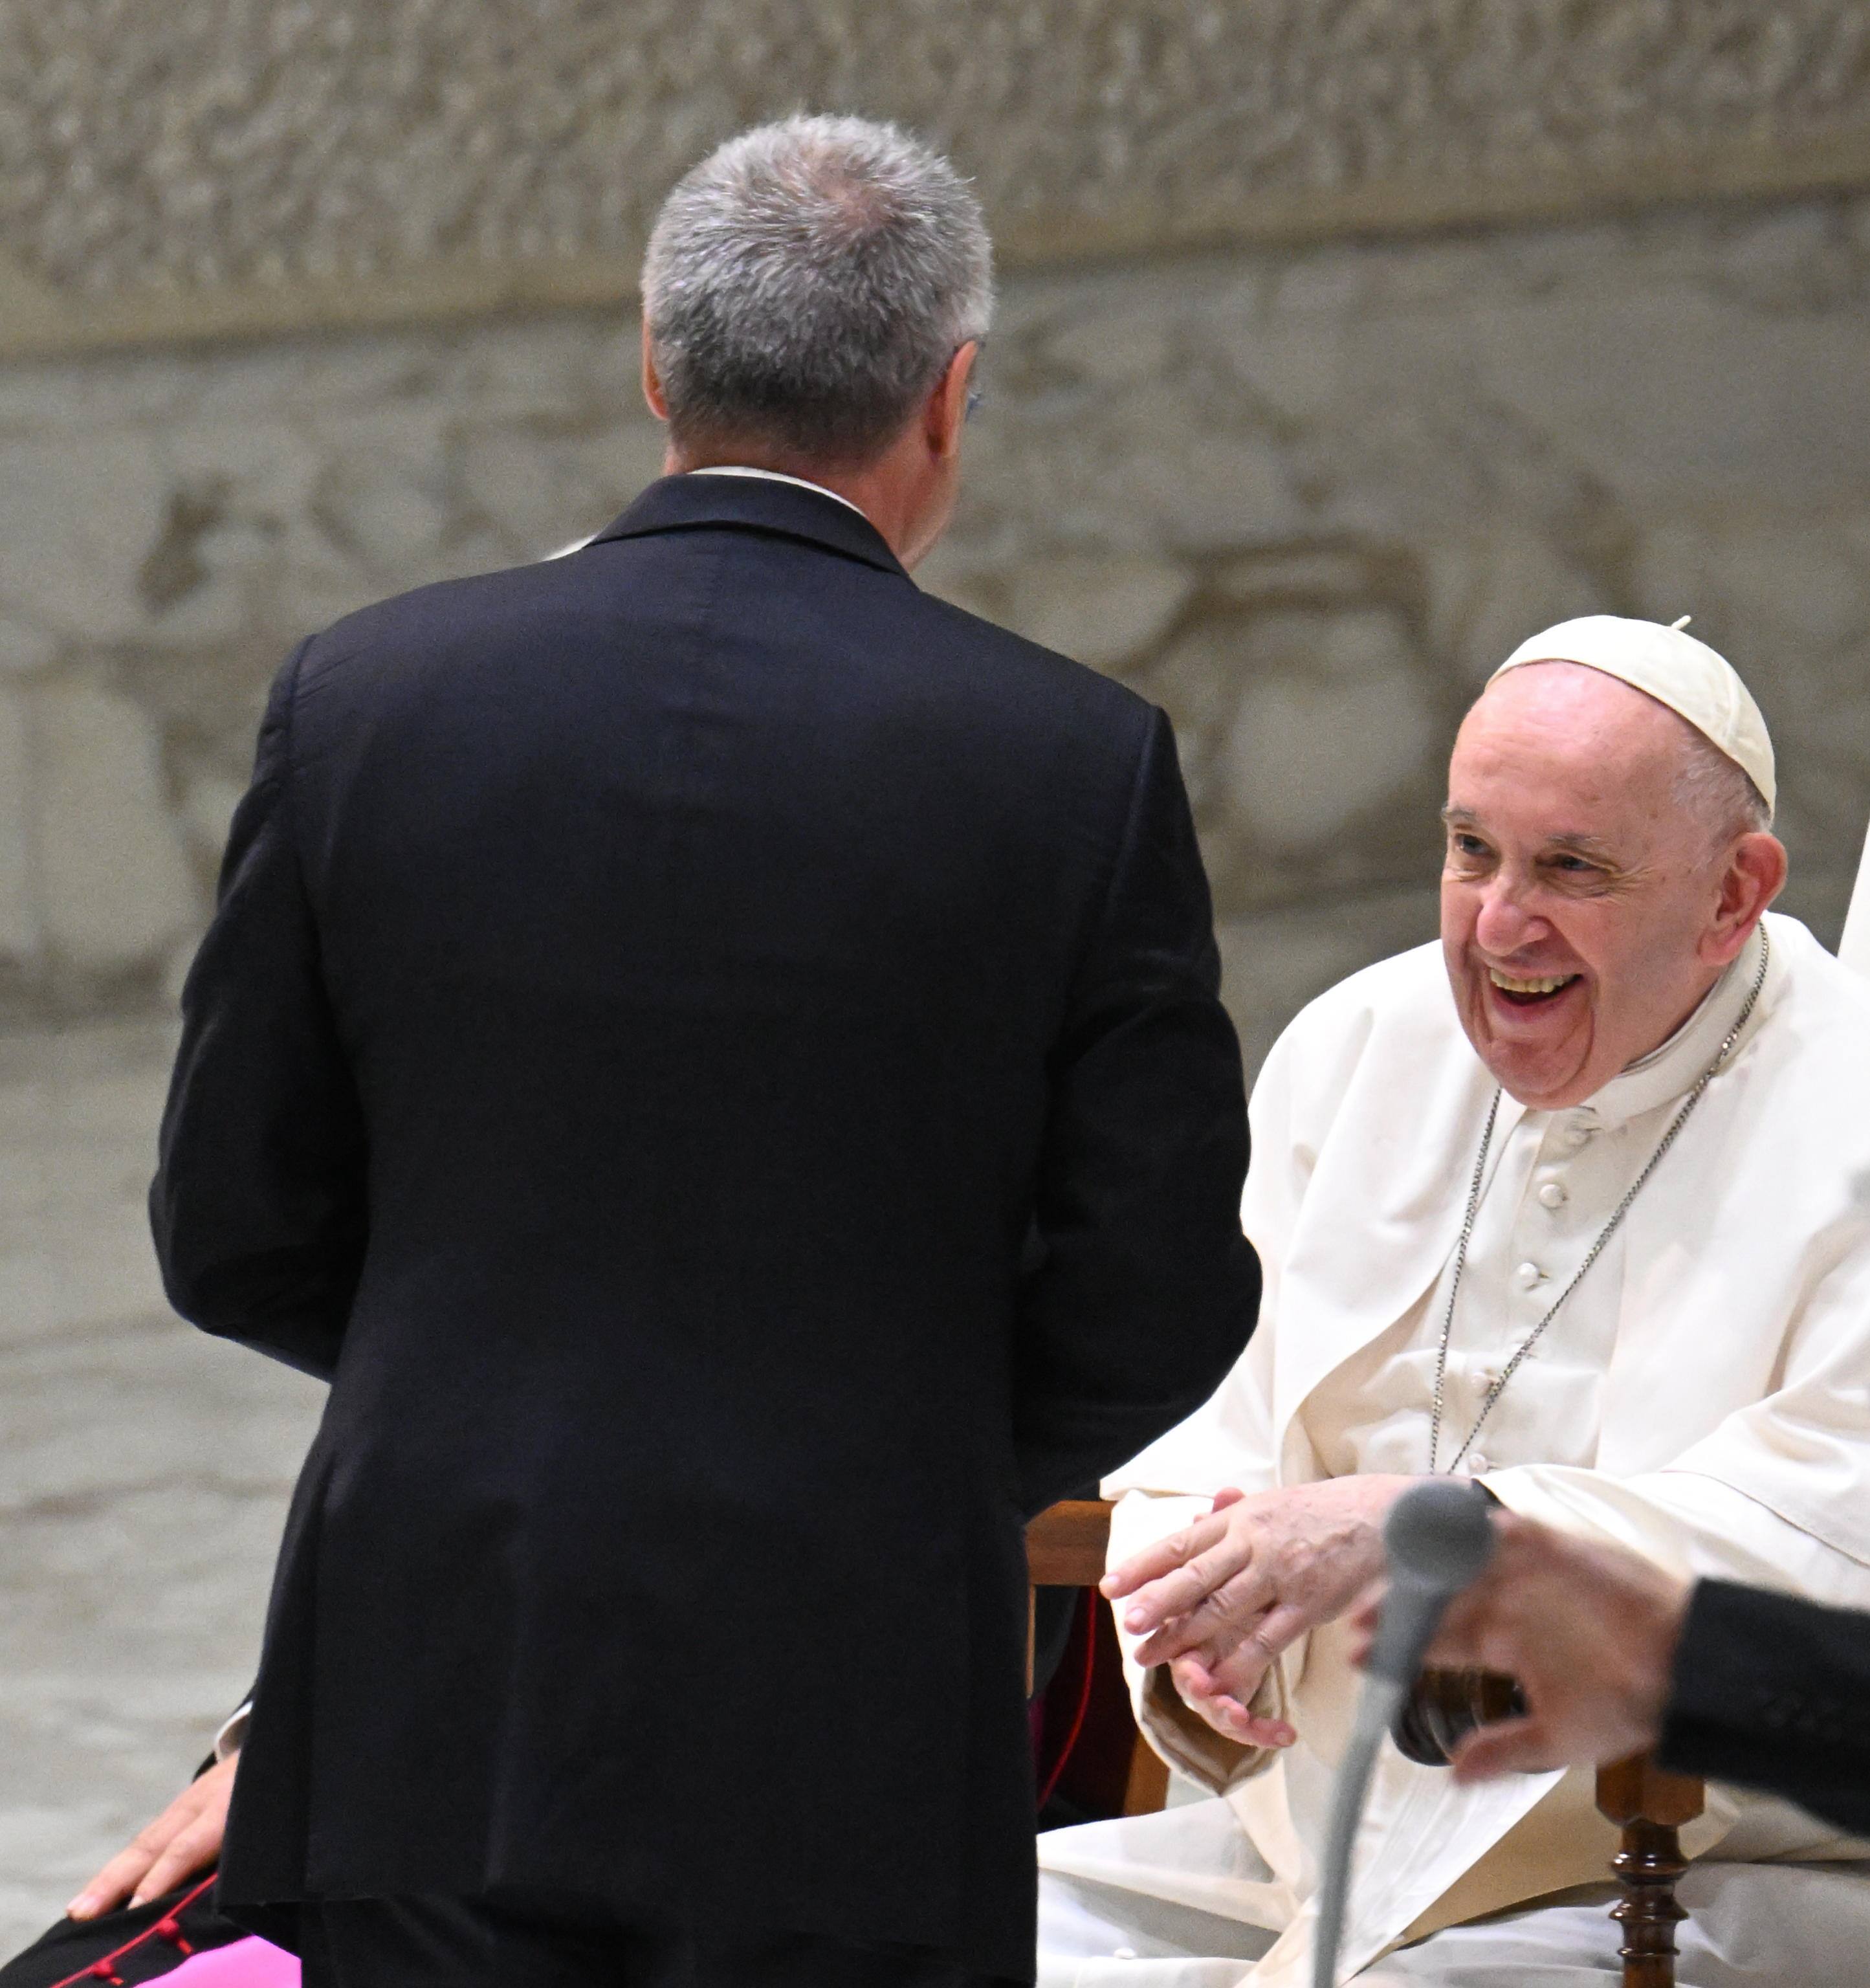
pixel 1112 347
pixel 198 595
pixel 19 925
pixel 24 648
pixel 1791 579
pixel 267 467
pixel 1212 490
pixel 1797 259
pixel 115 887
pixel 1492 593
pixel 207 809
pixel 1307 755
pixel 1679 394
pixel 1295 365
pixel 1102 611
pixel 387 509
pixel 565 366
pixel 1197 681
pixel 541 489
pixel 77 518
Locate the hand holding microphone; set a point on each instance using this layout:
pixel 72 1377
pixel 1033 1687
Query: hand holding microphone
pixel 1437 1538
pixel 1589 1632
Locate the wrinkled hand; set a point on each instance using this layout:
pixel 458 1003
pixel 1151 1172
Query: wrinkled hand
pixel 1589 1630
pixel 183 1839
pixel 1220 1600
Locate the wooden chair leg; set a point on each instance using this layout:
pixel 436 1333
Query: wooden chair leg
pixel 1147 1789
pixel 1649 1806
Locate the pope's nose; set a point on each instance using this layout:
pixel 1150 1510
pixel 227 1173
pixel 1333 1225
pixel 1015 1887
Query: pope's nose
pixel 1504 925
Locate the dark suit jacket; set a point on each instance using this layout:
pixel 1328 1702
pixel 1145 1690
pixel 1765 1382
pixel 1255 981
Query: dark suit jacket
pixel 1773 1692
pixel 716 1054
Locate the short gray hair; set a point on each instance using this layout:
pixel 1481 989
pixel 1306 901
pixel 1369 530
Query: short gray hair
pixel 806 284
pixel 1719 791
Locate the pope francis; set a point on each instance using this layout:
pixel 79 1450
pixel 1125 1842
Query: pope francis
pixel 1578 1203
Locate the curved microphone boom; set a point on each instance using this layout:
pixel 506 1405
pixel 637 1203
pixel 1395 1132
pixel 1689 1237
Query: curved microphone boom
pixel 1439 1535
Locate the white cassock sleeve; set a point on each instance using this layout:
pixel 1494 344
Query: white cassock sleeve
pixel 1226 1441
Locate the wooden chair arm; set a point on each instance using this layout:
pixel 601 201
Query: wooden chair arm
pixel 1065 1546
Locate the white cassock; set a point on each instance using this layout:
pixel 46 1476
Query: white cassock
pixel 1703 1397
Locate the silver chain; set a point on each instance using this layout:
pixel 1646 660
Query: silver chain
pixel 1597 1248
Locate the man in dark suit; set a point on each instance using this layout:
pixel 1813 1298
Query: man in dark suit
pixel 1616 1656
pixel 716 1054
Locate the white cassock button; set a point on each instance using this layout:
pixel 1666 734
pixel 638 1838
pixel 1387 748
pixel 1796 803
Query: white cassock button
pixel 1552 1196
pixel 1528 1275
pixel 1478 1466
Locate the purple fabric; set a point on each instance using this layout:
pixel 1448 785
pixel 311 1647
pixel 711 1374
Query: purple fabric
pixel 248 1963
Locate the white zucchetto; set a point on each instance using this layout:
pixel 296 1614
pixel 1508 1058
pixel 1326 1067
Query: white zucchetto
pixel 1673 669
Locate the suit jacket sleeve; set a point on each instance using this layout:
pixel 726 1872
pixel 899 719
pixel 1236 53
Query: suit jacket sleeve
pixel 257 1207
pixel 1147 1289
pixel 1769 1692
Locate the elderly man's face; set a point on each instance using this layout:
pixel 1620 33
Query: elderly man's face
pixel 1585 911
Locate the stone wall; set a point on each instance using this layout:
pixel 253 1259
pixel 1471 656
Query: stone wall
pixel 205 165
pixel 1304 498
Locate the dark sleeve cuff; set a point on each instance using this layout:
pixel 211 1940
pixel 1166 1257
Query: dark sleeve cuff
pixel 1773 1692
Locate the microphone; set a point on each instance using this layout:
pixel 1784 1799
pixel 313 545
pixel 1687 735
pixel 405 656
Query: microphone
pixel 1438 1536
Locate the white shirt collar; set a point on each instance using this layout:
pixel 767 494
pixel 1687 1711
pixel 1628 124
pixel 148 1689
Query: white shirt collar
pixel 728 469
pixel 774 476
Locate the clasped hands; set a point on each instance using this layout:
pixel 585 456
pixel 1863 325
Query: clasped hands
pixel 1589 1629
pixel 1218 1601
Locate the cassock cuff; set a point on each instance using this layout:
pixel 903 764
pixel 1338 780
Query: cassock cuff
pixel 1190 1746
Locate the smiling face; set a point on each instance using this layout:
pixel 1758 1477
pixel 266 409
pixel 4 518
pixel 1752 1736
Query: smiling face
pixel 1586 909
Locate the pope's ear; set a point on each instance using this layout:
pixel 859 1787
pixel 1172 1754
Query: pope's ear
pixel 1756 875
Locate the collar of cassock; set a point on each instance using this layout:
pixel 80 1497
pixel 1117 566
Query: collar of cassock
pixel 1669 1072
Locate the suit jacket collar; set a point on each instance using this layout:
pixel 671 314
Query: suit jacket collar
pixel 755 504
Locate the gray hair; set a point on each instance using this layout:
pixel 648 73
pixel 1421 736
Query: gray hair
pixel 806 284
pixel 1718 791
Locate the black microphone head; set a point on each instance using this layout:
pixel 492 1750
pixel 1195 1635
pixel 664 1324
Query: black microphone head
pixel 1440 1533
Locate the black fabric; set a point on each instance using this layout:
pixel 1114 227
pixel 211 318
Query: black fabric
pixel 543 1941
pixel 716 1053
pixel 1774 1692
pixel 147 1941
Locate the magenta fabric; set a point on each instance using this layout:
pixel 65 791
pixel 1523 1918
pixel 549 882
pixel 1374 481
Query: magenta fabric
pixel 248 1963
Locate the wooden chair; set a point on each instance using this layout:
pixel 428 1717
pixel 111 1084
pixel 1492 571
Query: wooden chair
pixel 1067 1547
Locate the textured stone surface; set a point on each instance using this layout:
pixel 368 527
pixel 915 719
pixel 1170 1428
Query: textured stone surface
pixel 1305 498
pixel 144 1474
pixel 19 926
pixel 115 886
pixel 213 162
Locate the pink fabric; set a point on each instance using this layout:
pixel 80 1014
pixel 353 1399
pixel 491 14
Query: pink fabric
pixel 248 1963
